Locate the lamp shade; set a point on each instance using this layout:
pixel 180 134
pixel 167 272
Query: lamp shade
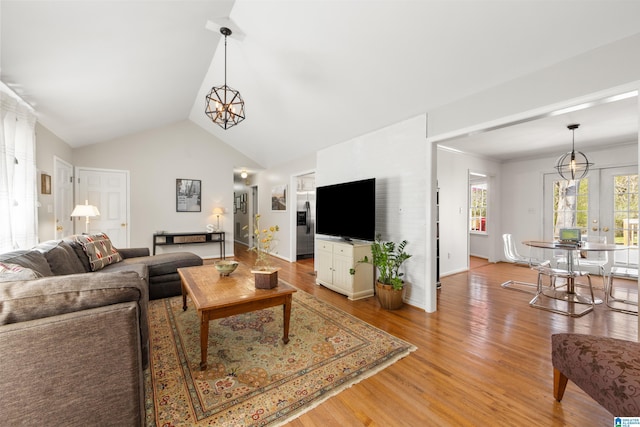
pixel 218 211
pixel 85 210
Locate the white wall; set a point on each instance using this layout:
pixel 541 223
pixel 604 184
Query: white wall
pixel 453 180
pixel 48 145
pixel 155 159
pixel 397 157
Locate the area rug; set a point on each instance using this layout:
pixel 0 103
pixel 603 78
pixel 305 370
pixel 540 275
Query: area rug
pixel 253 379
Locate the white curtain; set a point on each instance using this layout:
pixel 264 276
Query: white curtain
pixel 18 187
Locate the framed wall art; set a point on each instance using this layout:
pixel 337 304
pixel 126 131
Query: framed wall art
pixel 279 198
pixel 243 203
pixel 188 195
pixel 237 198
pixel 45 183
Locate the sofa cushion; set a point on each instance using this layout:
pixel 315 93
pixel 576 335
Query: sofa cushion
pixel 61 257
pixel 140 269
pixel 11 272
pixel 99 250
pixel 79 250
pixel 30 259
pixel 21 301
pixel 35 299
pixel 78 369
pixel 133 252
pixel 166 263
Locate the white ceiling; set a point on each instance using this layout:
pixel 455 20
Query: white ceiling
pixel 313 73
pixel 605 124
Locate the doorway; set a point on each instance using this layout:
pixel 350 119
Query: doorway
pixel 305 215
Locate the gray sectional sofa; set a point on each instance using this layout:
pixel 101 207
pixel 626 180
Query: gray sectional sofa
pixel 74 342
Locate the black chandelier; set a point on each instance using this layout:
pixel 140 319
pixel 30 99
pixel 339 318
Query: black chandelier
pixel 225 105
pixel 574 164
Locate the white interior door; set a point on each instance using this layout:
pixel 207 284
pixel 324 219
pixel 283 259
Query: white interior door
pixel 108 190
pixel 63 197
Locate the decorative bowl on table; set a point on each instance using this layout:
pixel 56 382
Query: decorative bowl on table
pixel 225 268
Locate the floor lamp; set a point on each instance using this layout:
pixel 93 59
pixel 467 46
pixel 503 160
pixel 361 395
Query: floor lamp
pixel 87 211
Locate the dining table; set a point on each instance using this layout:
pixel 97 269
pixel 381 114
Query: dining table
pixel 571 248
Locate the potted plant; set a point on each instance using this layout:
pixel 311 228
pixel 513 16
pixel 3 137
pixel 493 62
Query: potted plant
pixel 387 258
pixel 265 242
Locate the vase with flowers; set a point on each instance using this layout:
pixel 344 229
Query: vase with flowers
pixel 264 244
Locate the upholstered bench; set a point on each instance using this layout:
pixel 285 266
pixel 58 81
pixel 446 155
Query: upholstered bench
pixel 607 369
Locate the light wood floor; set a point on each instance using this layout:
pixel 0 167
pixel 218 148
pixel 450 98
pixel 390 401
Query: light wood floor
pixel 483 358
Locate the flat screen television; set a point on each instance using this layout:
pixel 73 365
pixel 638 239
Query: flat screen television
pixel 347 210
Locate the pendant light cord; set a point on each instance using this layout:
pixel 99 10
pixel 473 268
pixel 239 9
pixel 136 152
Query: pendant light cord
pixel 225 70
pixel 225 59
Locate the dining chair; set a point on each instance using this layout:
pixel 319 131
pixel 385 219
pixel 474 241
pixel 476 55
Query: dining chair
pixel 511 254
pixel 591 261
pixel 572 307
pixel 629 303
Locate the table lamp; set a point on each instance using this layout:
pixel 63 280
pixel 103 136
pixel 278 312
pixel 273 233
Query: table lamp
pixel 217 212
pixel 87 211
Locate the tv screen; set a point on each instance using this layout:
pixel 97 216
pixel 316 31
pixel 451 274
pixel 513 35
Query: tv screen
pixel 347 210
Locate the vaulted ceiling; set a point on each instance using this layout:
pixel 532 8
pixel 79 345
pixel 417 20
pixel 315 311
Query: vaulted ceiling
pixel 313 73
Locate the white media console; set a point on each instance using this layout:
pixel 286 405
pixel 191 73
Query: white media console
pixel 334 261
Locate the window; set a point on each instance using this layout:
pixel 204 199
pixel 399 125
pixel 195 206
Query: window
pixel 19 225
pixel 478 203
pixel 626 210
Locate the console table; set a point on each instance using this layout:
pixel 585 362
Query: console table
pixel 166 239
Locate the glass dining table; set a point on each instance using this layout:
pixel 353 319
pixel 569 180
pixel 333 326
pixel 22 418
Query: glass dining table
pixel 571 248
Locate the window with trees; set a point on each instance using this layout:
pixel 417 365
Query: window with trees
pixel 625 205
pixel 570 204
pixel 478 203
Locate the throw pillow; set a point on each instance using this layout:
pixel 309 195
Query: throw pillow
pixel 10 272
pixel 99 250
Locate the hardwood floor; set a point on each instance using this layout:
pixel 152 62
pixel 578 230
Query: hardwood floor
pixel 484 358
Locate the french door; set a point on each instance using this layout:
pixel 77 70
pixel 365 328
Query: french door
pixel 602 205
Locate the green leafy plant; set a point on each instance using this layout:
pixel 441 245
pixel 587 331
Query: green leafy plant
pixel 387 258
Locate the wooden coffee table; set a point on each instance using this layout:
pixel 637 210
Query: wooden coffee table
pixel 216 296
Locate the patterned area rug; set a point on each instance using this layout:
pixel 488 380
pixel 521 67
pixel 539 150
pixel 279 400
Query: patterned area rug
pixel 252 377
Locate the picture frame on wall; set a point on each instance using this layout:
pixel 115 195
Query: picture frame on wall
pixel 45 183
pixel 236 202
pixel 279 198
pixel 188 195
pixel 242 204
